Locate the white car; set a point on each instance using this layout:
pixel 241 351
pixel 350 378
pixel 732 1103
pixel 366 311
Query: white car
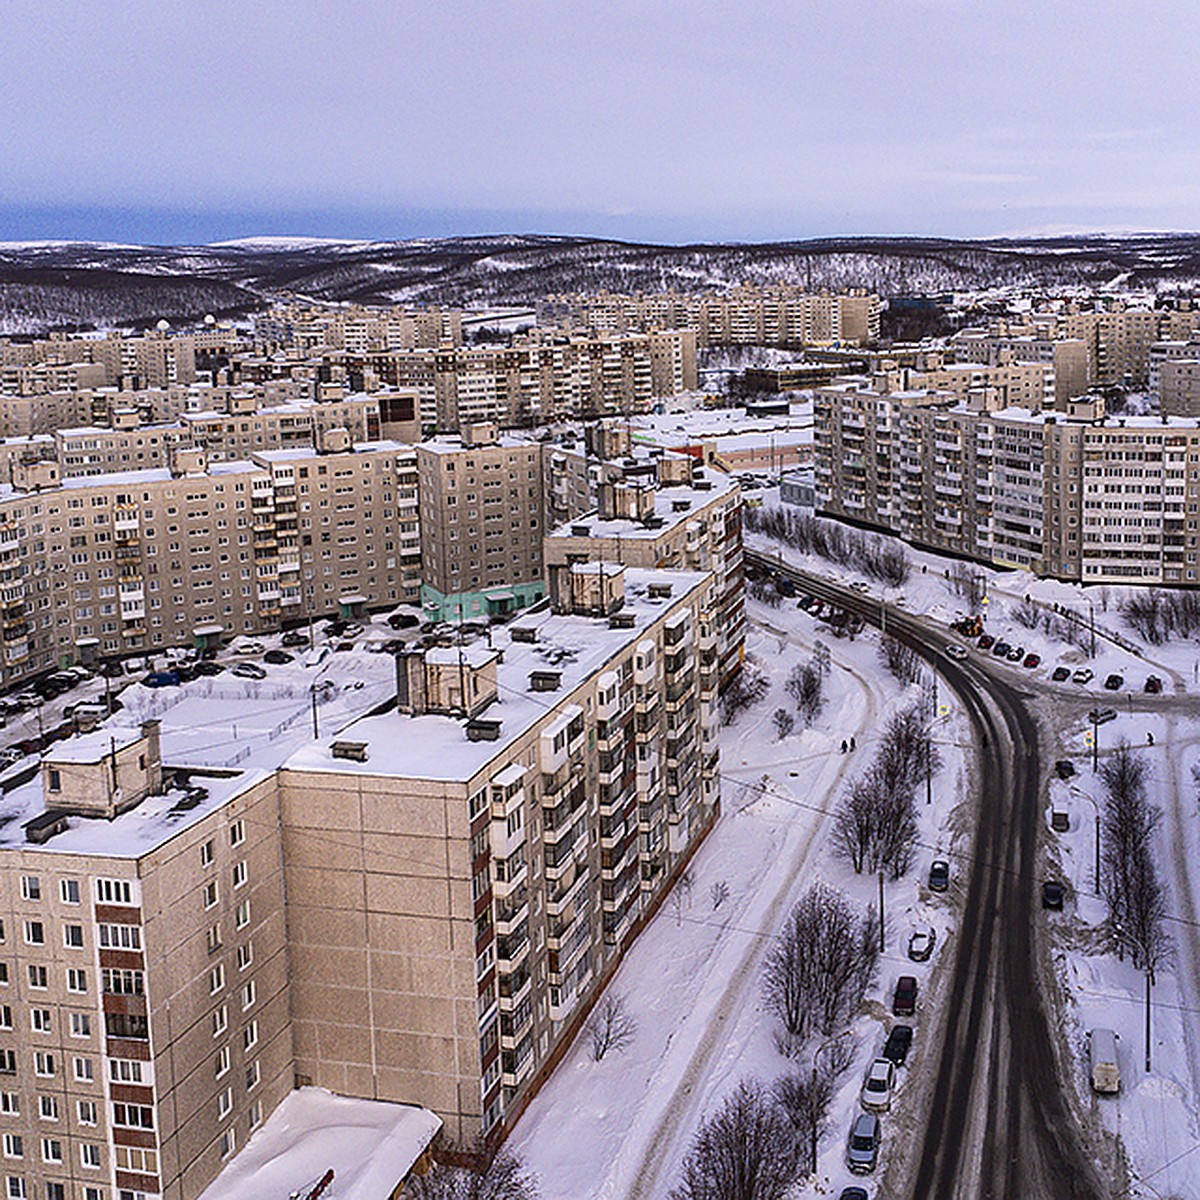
pixel 1083 675
pixel 876 1094
pixel 920 944
pixel 247 670
pixel 956 652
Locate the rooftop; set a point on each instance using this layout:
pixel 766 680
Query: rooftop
pixel 665 501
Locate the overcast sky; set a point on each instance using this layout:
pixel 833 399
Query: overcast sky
pixel 643 119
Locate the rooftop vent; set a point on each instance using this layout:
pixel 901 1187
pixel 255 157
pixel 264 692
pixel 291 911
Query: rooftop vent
pixel 622 620
pixel 660 591
pixel 355 751
pixel 545 681
pixel 44 826
pixel 655 522
pixel 483 729
pixel 680 505
pixel 522 633
pixel 702 485
pixel 581 531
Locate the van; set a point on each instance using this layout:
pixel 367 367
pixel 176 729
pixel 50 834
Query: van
pixel 1102 1061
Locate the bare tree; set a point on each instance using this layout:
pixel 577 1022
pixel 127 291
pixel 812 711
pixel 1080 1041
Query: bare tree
pixel 747 1150
pixel 806 686
pixel 820 964
pixel 901 660
pixel 611 1026
pixel 784 723
pixel 1028 613
pixel 499 1176
pixel 805 1096
pixel 967 582
pixel 744 690
pixel 718 893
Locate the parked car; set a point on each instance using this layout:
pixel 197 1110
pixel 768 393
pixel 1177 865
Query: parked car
pixel 986 642
pixel 1101 716
pixel 898 1044
pixel 1053 894
pixel 157 679
pixel 403 621
pixel 904 998
pixel 1083 675
pixel 939 875
pixel 1016 654
pixel 876 1094
pixel 1033 660
pixel 1153 685
pixel 249 647
pixel 1001 649
pixel 1061 674
pixel 805 602
pixel 248 670
pixel 920 944
pixel 1103 1068
pixel 208 667
pixel 955 651
pixel 862 1151
pixel 294 637
pixel 853 1193
pixel 278 657
pixel 1114 683
pixel 1064 768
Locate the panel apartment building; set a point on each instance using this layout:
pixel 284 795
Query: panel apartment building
pixel 420 909
pixel 137 560
pixel 1064 493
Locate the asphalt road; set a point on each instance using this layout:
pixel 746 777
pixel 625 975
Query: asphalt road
pixel 999 1122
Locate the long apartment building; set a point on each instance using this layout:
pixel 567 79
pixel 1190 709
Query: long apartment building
pixel 137 560
pixel 1067 493
pixel 755 316
pixel 421 908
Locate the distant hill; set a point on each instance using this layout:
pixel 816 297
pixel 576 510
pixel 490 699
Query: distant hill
pixel 85 284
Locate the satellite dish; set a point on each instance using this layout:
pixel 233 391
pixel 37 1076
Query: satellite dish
pixel 209 319
pixel 163 325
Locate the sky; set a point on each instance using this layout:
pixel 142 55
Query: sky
pixel 646 120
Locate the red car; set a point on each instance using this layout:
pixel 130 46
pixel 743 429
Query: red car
pixel 986 642
pixel 904 999
pixel 1033 660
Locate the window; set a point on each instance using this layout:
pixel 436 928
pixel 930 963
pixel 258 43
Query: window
pixel 69 890
pixel 35 933
pixel 122 983
pixel 214 938
pixel 10 1104
pixel 237 832
pixel 14 1146
pixel 242 916
pixel 6 1021
pixel 48 1108
pixel 245 955
pixel 120 937
pixel 76 979
pixel 216 979
pixel 228 1143
pixel 89 1154
pixel 133 1158
pixel 87 1111
pixel 8 1062
pixel 56 1191
pixel 81 1024
pixel 73 936
pixel 95 1193
pixel 126 1070
pixel 239 874
pixel 39 1020
pixel 220 1021
pixel 16 1188
pixel 249 994
pixel 3 971
pixel 43 1064
pixel 51 1150
pixel 31 887
pixel 114 891
pixel 37 976
pixel 252 1075
pixel 133 1116
pixel 211 895
pixel 222 1063
pixel 256 1114
pixel 225 1103
pixel 250 1036
pixel 206 853
pixel 84 1070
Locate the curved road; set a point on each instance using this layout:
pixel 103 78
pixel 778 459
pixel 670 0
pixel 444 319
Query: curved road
pixel 998 1122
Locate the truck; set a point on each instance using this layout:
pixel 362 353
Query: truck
pixel 1102 1062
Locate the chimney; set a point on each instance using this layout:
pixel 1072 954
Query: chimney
pixel 410 682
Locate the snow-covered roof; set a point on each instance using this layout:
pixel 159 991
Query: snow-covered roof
pixel 369 1145
pixel 665 500
pixel 93 747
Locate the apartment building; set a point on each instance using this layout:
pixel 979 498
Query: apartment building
pixel 359 329
pixel 145 1026
pixel 1068 358
pixel 665 511
pixel 480 499
pixel 1071 494
pixel 135 560
pixel 465 873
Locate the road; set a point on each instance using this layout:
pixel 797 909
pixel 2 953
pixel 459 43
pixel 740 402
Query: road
pixel 999 1122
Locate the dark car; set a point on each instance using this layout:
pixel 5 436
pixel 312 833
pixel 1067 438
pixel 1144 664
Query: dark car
pixel 278 657
pixel 403 621
pixel 939 875
pixel 208 667
pixel 1064 768
pixel 337 628
pixel 853 1193
pixel 986 642
pixel 1101 716
pixel 805 602
pixel 904 998
pixel 862 1150
pixel 1061 674
pixel 1053 894
pixel 157 679
pixel 294 637
pixel 1114 683
pixel 1001 649
pixel 898 1044
pixel 1033 660
pixel 1153 684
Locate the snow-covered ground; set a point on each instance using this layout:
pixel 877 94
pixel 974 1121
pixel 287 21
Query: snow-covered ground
pixel 619 1128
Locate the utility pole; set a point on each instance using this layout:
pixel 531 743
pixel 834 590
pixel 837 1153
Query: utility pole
pixel 312 691
pixel 881 922
pixel 1095 744
pixel 1147 1019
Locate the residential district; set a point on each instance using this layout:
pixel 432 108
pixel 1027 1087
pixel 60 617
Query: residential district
pixel 419 901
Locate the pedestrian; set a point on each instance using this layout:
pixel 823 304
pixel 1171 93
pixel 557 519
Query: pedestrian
pixel 843 745
pixel 1149 739
pixel 851 743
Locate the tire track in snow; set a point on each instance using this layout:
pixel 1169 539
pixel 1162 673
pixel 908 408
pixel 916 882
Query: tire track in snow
pixel 662 1144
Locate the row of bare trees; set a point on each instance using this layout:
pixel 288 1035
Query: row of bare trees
pixel 881 557
pixel 1160 615
pixel 901 660
pixel 743 691
pixel 875 826
pixel 1136 898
